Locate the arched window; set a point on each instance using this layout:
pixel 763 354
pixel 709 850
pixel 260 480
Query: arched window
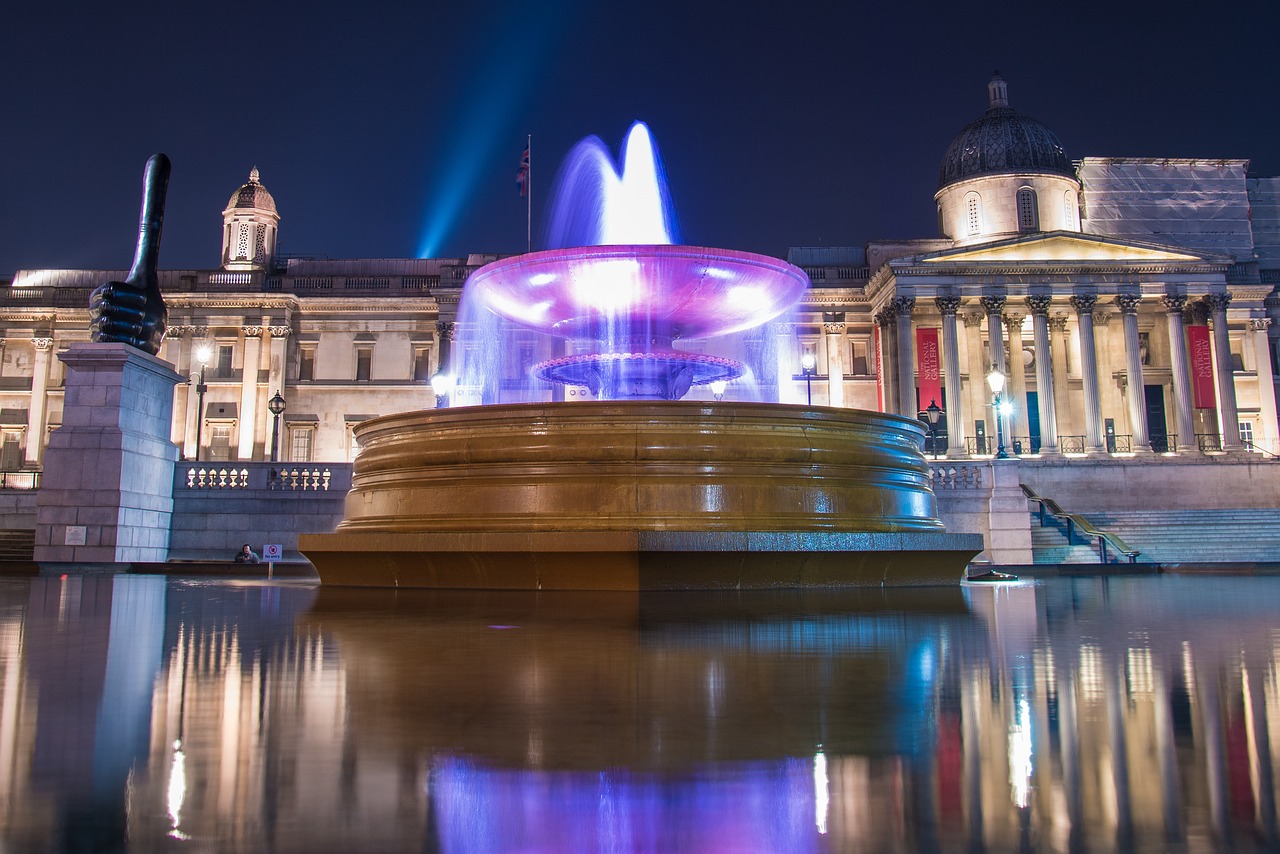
pixel 973 213
pixel 1069 208
pixel 1028 211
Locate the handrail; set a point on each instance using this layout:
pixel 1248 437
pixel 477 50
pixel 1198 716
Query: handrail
pixel 1074 520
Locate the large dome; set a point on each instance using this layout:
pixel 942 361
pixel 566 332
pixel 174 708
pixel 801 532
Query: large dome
pixel 252 195
pixel 1003 141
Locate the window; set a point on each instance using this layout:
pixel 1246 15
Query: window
pixel 973 213
pixel 300 444
pixel 306 364
pixel 1028 212
pixel 364 360
pixel 860 366
pixel 220 442
pixel 422 363
pixel 225 352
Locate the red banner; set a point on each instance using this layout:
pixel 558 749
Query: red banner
pixel 1201 366
pixel 928 364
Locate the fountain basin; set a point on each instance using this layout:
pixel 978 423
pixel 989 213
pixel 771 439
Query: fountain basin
pixel 639 496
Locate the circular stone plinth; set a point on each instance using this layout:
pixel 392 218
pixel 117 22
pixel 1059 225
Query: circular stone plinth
pixel 640 466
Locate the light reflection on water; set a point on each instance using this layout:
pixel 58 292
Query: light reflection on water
pixel 142 713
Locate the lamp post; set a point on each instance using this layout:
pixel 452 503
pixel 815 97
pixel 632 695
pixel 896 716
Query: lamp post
pixel 717 389
pixel 442 385
pixel 808 364
pixel 932 413
pixel 276 405
pixel 202 356
pixel 995 379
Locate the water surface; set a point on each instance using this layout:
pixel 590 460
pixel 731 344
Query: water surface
pixel 151 714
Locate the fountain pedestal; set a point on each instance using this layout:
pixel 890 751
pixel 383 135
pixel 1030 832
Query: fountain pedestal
pixel 630 495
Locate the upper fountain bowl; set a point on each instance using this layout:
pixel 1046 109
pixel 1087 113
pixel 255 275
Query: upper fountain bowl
pixel 624 294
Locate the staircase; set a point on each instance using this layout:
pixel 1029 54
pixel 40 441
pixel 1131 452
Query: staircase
pixel 17 545
pixel 1197 536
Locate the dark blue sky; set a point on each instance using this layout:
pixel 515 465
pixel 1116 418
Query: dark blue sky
pixel 381 128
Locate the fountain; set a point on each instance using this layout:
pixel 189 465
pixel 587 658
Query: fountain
pixel 637 489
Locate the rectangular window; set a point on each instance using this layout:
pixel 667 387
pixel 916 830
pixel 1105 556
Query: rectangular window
pixel 364 361
pixel 300 444
pixel 220 442
pixel 422 363
pixel 306 364
pixel 225 352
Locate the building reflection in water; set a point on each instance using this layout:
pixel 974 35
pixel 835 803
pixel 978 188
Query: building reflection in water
pixel 142 714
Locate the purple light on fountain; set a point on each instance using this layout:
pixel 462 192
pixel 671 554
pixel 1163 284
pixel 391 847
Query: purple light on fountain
pixel 626 289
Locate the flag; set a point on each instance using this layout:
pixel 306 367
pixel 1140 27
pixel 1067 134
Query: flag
pixel 522 176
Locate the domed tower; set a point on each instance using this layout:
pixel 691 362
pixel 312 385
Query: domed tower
pixel 1003 175
pixel 249 227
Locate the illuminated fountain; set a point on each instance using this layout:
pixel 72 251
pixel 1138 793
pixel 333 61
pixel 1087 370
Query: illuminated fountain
pixel 638 489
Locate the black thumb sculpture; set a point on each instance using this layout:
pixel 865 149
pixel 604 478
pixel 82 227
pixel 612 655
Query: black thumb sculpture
pixel 133 311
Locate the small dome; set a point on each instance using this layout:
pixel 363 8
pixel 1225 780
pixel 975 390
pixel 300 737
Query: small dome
pixel 1003 141
pixel 252 195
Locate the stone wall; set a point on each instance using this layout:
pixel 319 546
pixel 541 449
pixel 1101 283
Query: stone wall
pixel 218 507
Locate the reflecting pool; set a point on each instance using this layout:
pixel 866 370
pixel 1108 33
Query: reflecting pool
pixel 144 713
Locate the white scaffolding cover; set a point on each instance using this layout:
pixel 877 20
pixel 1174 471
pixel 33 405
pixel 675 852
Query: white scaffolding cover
pixel 1193 204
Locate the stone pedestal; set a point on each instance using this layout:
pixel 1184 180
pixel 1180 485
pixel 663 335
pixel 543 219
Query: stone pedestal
pixel 106 494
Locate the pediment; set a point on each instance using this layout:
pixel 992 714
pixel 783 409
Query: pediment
pixel 1063 246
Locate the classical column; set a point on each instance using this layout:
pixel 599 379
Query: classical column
pixel 37 408
pixel 1128 304
pixel 1061 381
pixel 1226 376
pixel 902 308
pixel 979 395
pixel 1174 305
pixel 1266 382
pixel 1083 304
pixel 1039 305
pixel 249 392
pixel 1017 377
pixel 276 373
pixel 835 362
pixel 951 375
pixel 784 352
pixel 887 367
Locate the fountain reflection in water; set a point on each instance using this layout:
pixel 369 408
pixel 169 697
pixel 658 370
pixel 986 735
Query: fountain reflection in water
pixel 617 294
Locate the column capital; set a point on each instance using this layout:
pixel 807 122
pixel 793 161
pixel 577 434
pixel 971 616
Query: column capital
pixel 1218 301
pixel 992 304
pixel 1039 303
pixel 947 305
pixel 42 343
pixel 972 319
pixel 1174 303
pixel 1128 303
pixel 1084 303
pixel 903 305
pixel 834 328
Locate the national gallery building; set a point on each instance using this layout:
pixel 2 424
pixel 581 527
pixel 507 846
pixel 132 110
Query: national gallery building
pixel 1129 302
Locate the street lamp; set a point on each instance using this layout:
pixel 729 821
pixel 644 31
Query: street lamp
pixel 202 356
pixel 717 389
pixel 808 364
pixel 442 384
pixel 276 405
pixel 932 413
pixel 995 379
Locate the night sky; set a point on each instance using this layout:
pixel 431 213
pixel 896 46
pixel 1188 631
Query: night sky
pixel 395 129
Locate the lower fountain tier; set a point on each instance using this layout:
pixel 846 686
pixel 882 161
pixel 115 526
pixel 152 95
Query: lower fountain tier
pixel 640 495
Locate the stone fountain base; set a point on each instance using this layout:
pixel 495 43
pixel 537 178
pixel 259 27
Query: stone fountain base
pixel 655 495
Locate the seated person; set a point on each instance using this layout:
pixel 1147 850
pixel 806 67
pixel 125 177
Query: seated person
pixel 246 555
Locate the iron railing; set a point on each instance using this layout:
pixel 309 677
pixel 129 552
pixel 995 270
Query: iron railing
pixel 1073 524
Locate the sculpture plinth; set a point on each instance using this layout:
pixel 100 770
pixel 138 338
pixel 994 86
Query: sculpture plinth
pixel 639 496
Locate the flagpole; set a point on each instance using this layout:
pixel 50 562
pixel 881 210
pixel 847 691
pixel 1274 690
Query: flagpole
pixel 528 226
